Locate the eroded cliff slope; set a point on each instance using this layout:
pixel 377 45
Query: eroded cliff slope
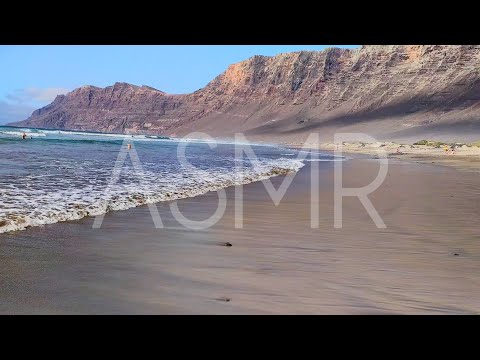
pixel 393 91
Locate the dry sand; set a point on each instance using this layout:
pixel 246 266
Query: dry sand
pixel 462 158
pixel 427 260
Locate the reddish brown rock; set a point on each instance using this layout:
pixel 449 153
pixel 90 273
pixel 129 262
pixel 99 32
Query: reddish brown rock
pixel 389 91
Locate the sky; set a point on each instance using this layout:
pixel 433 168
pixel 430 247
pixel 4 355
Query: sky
pixel 31 76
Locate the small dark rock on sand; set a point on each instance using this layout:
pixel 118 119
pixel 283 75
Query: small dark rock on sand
pixel 227 244
pixel 224 299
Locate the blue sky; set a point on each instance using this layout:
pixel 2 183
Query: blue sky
pixel 33 75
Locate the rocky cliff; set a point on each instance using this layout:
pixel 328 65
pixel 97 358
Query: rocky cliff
pixel 393 91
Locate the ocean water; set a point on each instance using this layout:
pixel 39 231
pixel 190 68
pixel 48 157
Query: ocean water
pixel 55 176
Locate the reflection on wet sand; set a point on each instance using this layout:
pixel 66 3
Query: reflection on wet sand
pixel 426 261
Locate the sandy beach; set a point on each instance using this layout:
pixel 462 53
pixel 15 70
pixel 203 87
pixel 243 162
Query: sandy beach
pixel 109 155
pixel 425 262
pixel 463 157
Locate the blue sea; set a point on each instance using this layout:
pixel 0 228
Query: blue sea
pixel 54 175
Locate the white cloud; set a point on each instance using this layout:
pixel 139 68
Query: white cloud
pixel 45 95
pixel 20 104
pixel 14 112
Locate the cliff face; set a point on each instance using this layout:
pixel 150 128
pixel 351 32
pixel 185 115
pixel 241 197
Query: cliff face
pixel 118 108
pixel 386 91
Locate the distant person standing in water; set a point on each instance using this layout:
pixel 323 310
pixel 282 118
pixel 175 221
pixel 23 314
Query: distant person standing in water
pixel 24 136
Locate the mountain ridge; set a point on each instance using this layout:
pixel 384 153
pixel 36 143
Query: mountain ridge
pixel 388 91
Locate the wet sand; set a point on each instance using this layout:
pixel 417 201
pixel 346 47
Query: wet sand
pixel 426 261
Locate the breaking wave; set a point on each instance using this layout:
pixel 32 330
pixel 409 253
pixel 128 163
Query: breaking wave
pixel 64 175
pixel 25 205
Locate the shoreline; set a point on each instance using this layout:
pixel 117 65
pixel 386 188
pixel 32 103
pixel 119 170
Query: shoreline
pixel 247 179
pixel 21 220
pixel 464 158
pixel 425 262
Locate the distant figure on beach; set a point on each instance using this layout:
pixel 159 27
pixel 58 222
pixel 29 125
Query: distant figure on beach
pixel 24 136
pixel 129 146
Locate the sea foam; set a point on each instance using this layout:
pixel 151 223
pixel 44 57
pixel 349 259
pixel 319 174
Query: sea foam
pixel 26 206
